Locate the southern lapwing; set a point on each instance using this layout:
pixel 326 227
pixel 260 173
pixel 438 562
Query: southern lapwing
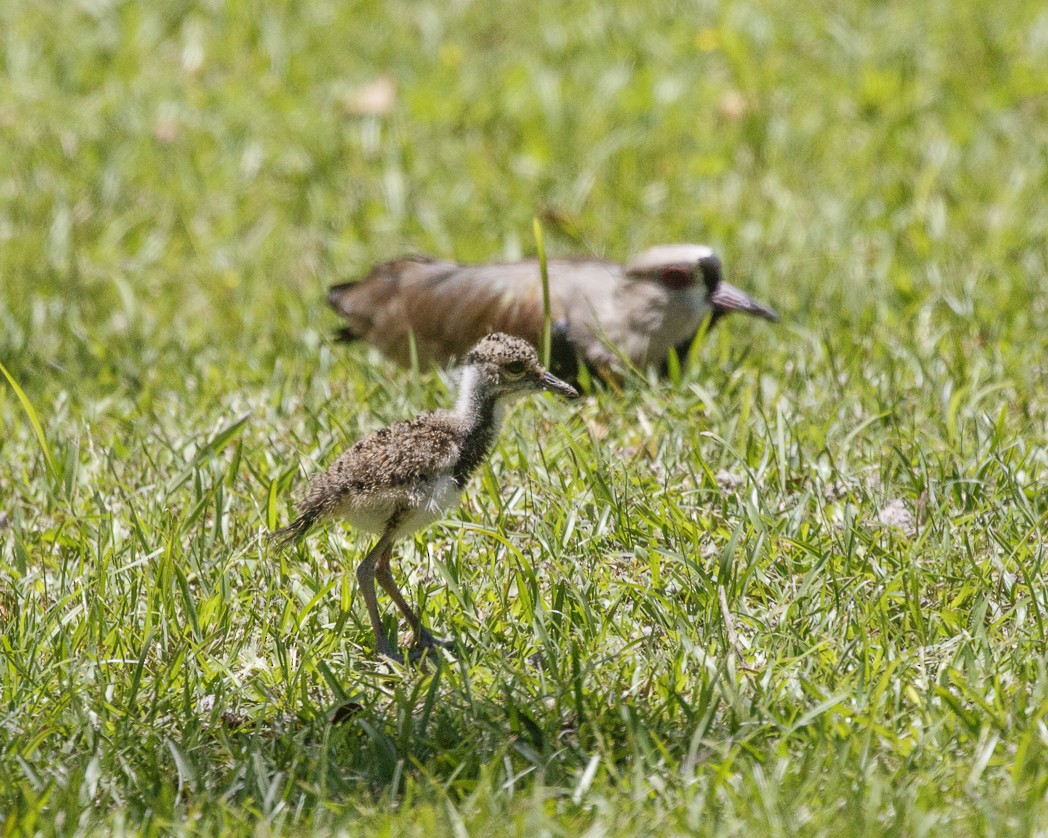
pixel 601 312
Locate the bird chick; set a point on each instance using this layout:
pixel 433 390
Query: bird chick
pixel 402 478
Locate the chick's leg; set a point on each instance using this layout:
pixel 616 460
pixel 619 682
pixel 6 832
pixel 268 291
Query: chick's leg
pixel 366 574
pixel 384 575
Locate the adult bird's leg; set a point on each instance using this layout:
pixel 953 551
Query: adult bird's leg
pixel 366 573
pixel 384 575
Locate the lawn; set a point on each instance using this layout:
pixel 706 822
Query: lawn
pixel 799 589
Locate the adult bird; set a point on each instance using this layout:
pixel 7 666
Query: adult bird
pixel 402 478
pixel 601 312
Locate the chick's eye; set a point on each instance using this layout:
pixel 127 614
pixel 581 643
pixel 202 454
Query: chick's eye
pixel 514 369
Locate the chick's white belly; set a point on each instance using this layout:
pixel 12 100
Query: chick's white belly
pixel 437 498
pixel 419 506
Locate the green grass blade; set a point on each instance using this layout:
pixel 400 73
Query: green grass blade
pixel 546 329
pixel 34 420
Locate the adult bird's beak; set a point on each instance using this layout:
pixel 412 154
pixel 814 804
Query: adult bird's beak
pixel 727 298
pixel 551 383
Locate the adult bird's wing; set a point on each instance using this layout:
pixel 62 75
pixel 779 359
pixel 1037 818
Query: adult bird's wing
pixel 448 307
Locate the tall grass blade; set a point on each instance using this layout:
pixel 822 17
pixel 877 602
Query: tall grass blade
pixel 544 270
pixel 34 420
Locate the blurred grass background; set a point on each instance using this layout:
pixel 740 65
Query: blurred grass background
pixel 180 182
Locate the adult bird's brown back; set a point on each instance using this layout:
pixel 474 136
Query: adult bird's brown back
pixel 599 309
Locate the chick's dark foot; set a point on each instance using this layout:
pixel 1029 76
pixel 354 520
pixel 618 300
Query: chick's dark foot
pixel 386 651
pixel 427 644
pixel 429 641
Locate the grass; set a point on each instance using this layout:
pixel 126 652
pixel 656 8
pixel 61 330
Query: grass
pixel 686 611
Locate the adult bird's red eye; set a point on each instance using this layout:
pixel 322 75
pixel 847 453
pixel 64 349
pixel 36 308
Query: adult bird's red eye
pixel 676 278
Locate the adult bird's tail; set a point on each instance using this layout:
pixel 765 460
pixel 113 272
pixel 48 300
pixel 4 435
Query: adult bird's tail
pixel 340 298
pixel 374 303
pixel 346 335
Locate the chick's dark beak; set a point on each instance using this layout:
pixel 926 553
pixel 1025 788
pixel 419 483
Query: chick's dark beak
pixel 552 384
pixel 727 298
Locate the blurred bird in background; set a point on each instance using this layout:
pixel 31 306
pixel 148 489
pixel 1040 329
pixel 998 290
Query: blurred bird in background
pixel 601 312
